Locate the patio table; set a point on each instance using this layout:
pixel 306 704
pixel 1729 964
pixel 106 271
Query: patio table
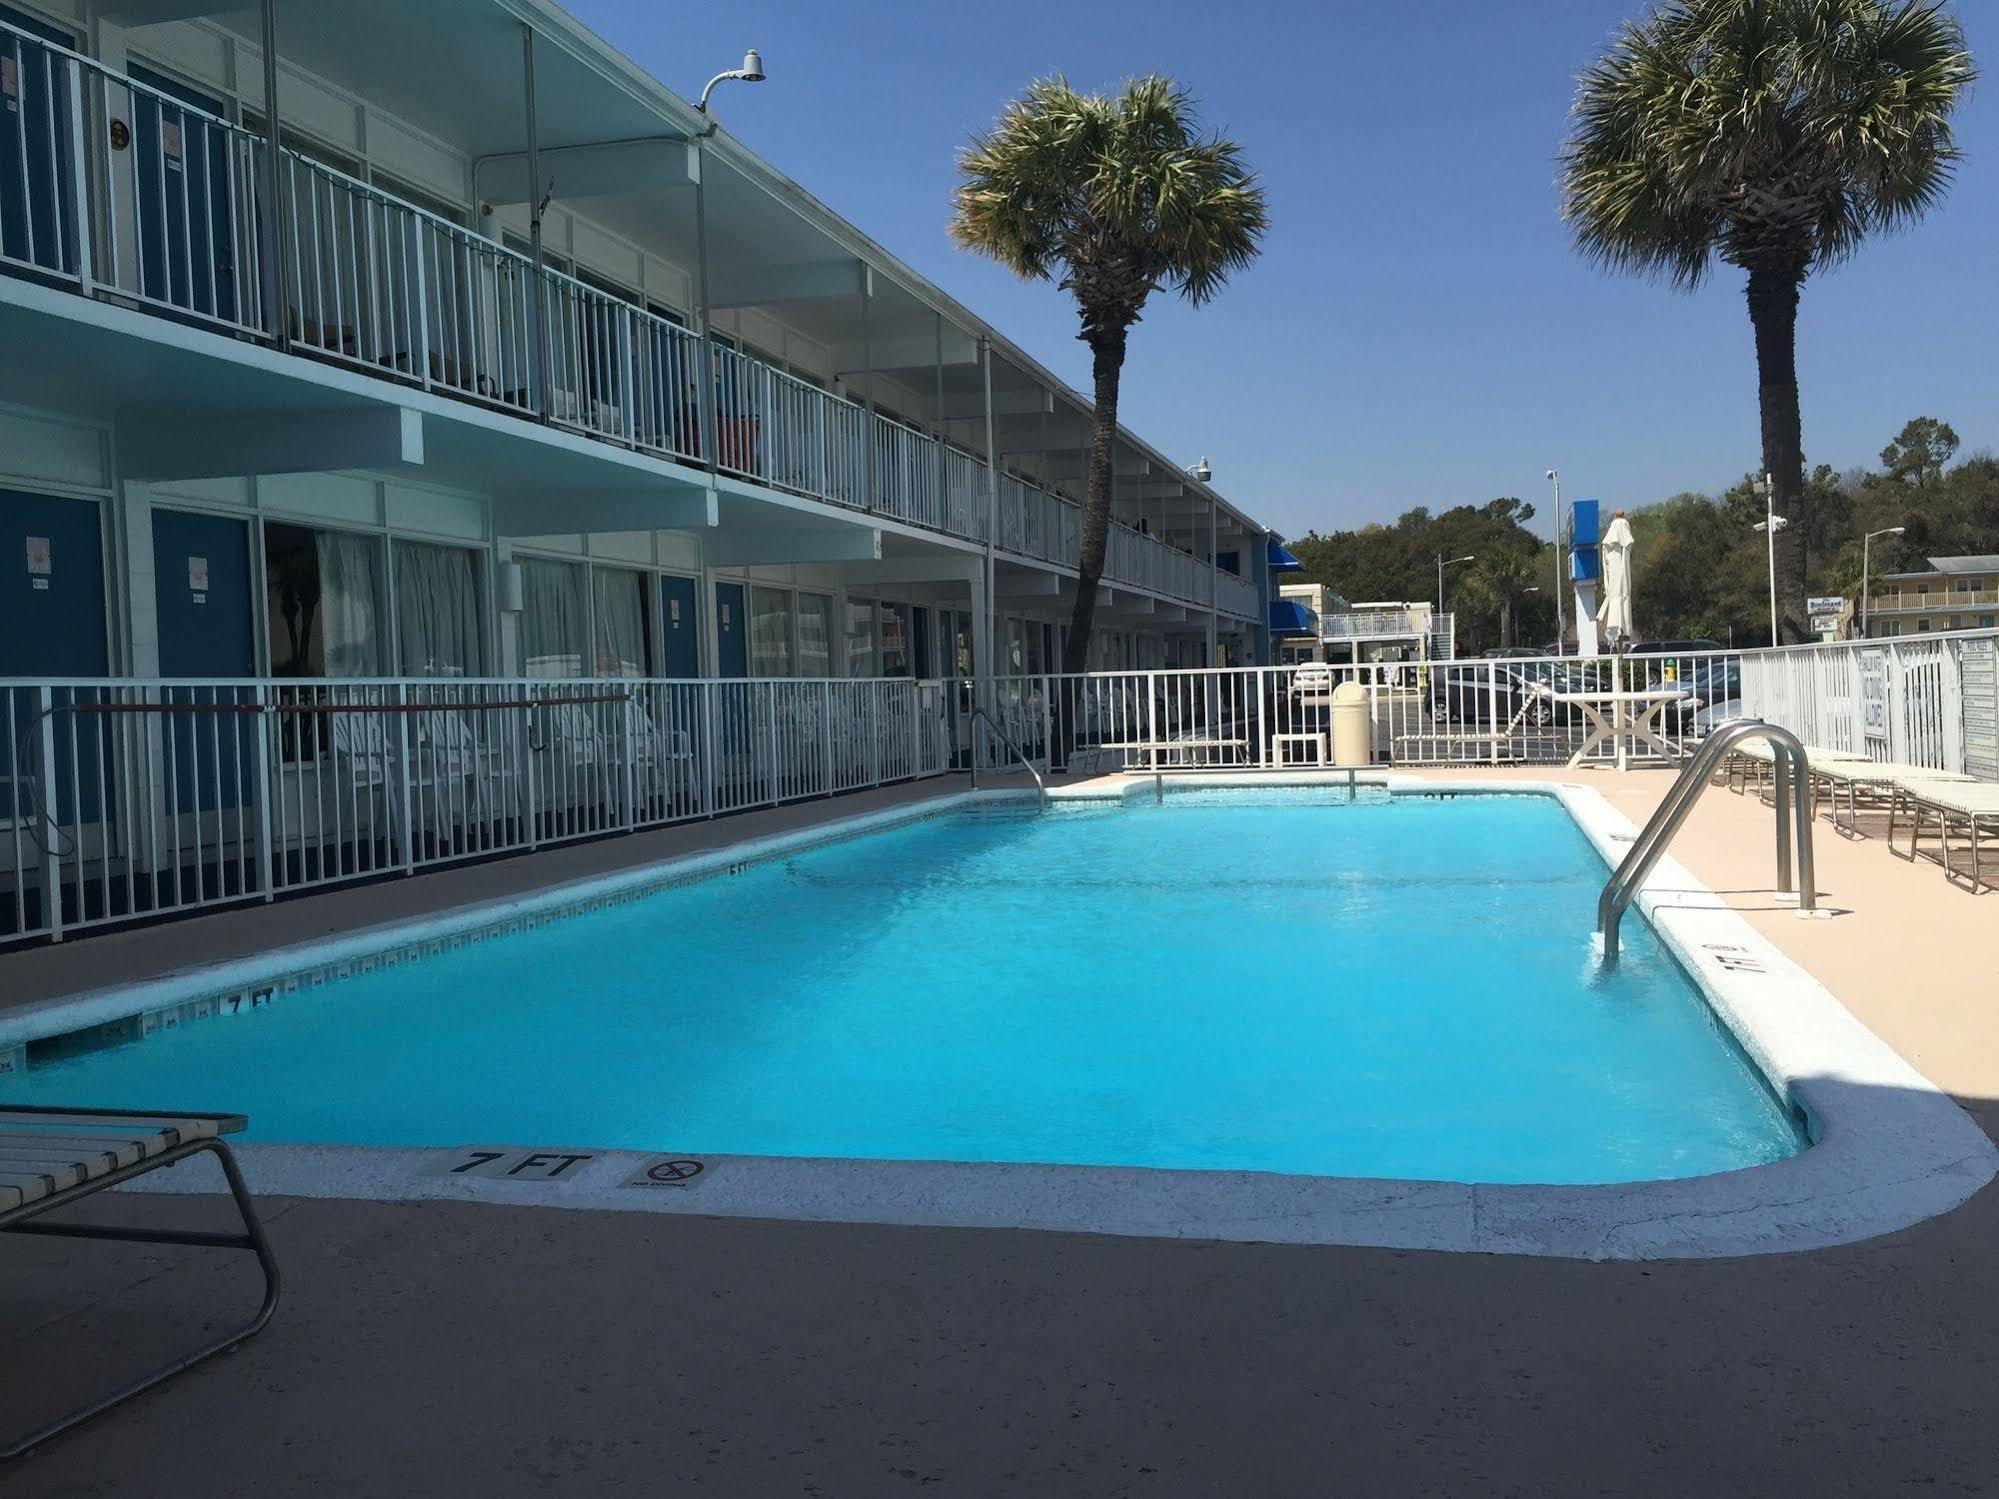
pixel 1633 721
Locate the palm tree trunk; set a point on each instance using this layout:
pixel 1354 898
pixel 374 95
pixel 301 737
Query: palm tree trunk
pixel 1773 312
pixel 1107 365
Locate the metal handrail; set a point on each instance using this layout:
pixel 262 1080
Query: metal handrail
pixel 1018 754
pixel 1672 813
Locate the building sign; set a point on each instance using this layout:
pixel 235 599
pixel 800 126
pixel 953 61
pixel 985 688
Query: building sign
pixel 1826 614
pixel 39 563
pixel 1874 694
pixel 1978 673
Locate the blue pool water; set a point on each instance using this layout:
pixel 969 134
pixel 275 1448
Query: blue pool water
pixel 1270 980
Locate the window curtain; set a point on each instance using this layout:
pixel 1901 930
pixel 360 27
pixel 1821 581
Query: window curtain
pixel 621 622
pixel 860 637
pixel 770 632
pixel 350 603
pixel 895 640
pixel 554 622
pixel 438 629
pixel 815 635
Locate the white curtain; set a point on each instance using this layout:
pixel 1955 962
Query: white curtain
pixel 439 633
pixel 770 632
pixel 554 621
pixel 350 603
pixel 815 635
pixel 621 622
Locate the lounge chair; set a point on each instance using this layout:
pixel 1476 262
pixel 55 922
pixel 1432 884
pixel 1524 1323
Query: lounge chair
pixel 1971 806
pixel 51 1158
pixel 1879 782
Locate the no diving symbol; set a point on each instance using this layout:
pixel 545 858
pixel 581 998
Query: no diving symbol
pixel 674 1171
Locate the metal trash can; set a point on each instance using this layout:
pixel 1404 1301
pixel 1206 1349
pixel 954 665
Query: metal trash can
pixel 1353 726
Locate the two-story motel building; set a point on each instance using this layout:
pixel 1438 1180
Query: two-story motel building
pixel 315 399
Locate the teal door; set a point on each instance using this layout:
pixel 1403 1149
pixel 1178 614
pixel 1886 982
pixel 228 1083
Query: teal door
pixel 732 632
pixel 38 228
pixel 187 212
pixel 201 592
pixel 680 628
pixel 51 625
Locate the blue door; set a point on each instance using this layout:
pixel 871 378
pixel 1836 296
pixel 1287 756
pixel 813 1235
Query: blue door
pixel 919 639
pixel 732 638
pixel 51 625
pixel 201 591
pixel 187 211
pixel 37 171
pixel 682 631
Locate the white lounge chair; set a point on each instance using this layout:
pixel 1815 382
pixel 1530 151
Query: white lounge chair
pixel 51 1158
pixel 1969 806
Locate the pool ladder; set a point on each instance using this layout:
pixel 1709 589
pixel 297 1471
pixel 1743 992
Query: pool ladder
pixel 1006 739
pixel 1650 845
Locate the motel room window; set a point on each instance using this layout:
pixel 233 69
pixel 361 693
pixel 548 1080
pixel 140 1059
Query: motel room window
pixel 323 601
pixel 895 640
pixel 555 618
pixel 1985 621
pixel 815 635
pixel 440 624
pixel 862 637
pixel 770 632
pixel 623 622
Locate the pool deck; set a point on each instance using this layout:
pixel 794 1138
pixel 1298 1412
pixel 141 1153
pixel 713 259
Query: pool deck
pixel 460 1348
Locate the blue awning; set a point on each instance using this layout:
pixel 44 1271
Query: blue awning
pixel 1281 561
pixel 1292 617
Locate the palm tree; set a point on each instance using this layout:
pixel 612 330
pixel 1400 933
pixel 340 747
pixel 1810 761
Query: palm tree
pixel 1118 195
pixel 1775 136
pixel 1507 575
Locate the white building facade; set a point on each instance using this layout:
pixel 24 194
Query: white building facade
pixel 384 428
pixel 324 399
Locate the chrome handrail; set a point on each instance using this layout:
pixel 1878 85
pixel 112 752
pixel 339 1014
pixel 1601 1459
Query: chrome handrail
pixel 1018 754
pixel 1671 813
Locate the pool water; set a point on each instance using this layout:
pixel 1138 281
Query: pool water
pixel 1246 980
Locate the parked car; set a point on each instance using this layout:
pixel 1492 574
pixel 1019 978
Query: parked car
pixel 1473 692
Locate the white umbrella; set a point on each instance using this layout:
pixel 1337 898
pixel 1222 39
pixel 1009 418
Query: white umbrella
pixel 1615 610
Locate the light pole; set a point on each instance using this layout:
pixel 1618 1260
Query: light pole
pixel 1442 563
pixel 1770 525
pixel 1561 628
pixel 1866 542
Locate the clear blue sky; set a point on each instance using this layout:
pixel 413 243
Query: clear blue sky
pixel 1418 330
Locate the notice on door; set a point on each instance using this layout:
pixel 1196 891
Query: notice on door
pixel 40 562
pixel 197 578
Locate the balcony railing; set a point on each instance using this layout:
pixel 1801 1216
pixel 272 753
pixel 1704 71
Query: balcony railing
pixel 1937 601
pixel 167 211
pixel 1366 623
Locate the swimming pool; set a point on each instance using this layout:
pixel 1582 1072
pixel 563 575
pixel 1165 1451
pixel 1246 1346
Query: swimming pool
pixel 1230 980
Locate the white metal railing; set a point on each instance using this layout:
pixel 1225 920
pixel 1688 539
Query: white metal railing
pixel 1356 623
pixel 1920 700
pixel 165 215
pixel 110 185
pixel 1932 703
pixel 130 799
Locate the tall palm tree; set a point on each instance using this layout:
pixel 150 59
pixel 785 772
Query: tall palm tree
pixel 1507 575
pixel 1118 196
pixel 1774 136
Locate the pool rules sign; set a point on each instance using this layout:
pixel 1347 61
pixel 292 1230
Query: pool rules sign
pixel 1978 670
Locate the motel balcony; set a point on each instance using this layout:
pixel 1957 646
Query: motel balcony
pixel 1937 601
pixel 117 188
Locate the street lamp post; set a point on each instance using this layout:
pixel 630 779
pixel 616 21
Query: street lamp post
pixel 1442 563
pixel 1561 627
pixel 1770 525
pixel 1865 598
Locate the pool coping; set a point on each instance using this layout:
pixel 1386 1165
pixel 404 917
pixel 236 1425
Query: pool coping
pixel 1887 1150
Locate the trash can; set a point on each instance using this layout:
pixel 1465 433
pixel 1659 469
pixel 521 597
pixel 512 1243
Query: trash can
pixel 1353 726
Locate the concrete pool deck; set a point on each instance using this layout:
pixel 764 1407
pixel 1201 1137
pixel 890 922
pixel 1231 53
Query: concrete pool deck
pixel 567 1352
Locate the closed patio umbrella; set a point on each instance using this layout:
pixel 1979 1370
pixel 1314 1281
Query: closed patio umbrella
pixel 1615 610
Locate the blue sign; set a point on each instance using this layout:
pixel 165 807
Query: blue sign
pixel 1585 564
